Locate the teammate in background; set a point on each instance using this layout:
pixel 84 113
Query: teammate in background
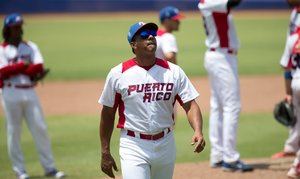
pixel 144 89
pixel 220 62
pixel 290 61
pixel 166 42
pixel 291 145
pixel 19 62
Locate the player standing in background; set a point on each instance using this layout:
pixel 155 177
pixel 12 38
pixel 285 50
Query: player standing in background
pixel 220 62
pixel 290 61
pixel 291 145
pixel 21 61
pixel 166 42
pixel 144 90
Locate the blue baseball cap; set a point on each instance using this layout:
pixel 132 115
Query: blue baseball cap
pixel 170 12
pixel 138 26
pixel 13 19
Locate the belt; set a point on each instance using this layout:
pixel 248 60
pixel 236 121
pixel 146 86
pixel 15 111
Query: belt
pixel 148 136
pixel 20 86
pixel 229 51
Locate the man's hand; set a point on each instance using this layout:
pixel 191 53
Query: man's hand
pixel 198 141
pixel 107 163
pixel 288 98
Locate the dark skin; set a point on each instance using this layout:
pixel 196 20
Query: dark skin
pixel 16 33
pixel 293 3
pixel 145 56
pixel 16 37
pixel 233 3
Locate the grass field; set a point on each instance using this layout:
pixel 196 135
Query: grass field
pixel 87 47
pixel 75 143
pixel 78 48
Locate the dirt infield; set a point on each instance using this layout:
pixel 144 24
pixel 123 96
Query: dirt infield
pixel 264 169
pixel 258 93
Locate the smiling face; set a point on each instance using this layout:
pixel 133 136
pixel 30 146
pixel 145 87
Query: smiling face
pixel 144 42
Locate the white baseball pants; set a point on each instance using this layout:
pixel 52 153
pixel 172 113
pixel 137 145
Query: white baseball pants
pixel 225 104
pixel 292 144
pixel 19 103
pixel 147 159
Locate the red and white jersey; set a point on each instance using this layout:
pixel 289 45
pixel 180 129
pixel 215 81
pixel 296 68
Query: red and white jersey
pixel 12 68
pixel 166 43
pixel 294 21
pixel 291 56
pixel 145 97
pixel 218 23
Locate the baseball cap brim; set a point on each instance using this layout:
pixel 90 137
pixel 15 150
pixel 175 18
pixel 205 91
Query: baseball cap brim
pixel 150 26
pixel 178 16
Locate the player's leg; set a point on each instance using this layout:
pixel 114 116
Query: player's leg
pixel 216 113
pixel 38 128
pixel 230 96
pixel 13 113
pixel 164 160
pixel 292 143
pixel 134 156
pixel 294 171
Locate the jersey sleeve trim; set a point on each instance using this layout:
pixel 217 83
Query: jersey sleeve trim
pixel 128 64
pixel 162 63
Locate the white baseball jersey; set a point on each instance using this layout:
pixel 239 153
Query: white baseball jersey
pixel 218 24
pixel 166 43
pixel 145 97
pixel 12 57
pixel 294 21
pixel 289 59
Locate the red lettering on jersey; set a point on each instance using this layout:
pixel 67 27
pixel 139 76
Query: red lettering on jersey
pixel 169 86
pixel 148 87
pixel 159 96
pixel 153 96
pixel 131 88
pixel 167 96
pixel 147 97
pixel 155 87
pixel 162 86
pixel 140 88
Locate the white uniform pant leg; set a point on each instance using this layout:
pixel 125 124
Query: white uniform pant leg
pixel 215 125
pixel 38 128
pixel 144 159
pixel 222 69
pixel 164 158
pixel 292 143
pixel 11 101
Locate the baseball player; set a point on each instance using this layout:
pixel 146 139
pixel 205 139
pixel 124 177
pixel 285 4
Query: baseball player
pixel 20 62
pixel 291 145
pixel 290 61
pixel 166 42
pixel 220 62
pixel 144 90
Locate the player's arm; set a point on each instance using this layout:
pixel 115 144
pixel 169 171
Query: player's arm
pixel 171 57
pixel 13 69
pixel 105 132
pixel 195 119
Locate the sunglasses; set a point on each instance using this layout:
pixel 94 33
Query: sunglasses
pixel 146 33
